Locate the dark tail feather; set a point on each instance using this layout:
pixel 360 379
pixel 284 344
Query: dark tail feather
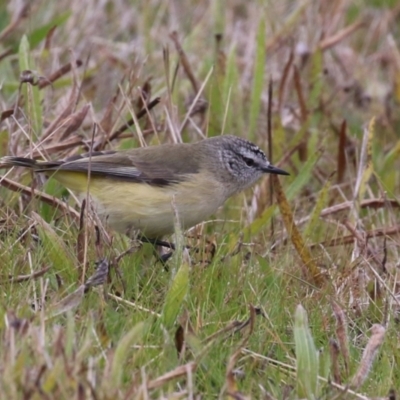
pixel 10 161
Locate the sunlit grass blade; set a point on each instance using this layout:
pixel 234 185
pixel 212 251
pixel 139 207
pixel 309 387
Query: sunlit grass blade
pixel 365 167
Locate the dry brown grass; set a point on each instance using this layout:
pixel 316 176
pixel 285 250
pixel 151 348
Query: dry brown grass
pixel 119 74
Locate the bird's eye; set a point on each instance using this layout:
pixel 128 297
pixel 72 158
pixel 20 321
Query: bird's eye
pixel 249 161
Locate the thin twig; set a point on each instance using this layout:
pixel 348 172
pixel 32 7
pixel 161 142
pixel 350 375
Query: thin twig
pixel 51 200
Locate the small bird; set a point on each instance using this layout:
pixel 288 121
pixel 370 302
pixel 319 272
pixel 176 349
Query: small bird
pixel 143 189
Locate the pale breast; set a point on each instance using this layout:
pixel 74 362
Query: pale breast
pixel 137 206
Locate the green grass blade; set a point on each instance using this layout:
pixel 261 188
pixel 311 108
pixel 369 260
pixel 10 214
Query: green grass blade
pixel 232 95
pixel 316 79
pixel 258 224
pixel 303 177
pixel 30 92
pixel 322 200
pixel 258 80
pixel 40 33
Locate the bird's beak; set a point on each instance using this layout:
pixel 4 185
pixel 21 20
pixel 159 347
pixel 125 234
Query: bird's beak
pixel 270 169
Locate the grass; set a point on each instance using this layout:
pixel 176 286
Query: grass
pixel 308 281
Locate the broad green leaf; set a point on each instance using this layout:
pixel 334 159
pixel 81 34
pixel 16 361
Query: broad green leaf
pixel 40 33
pixel 122 351
pixel 303 177
pixel 218 14
pixel 307 362
pixel 55 249
pixel 176 294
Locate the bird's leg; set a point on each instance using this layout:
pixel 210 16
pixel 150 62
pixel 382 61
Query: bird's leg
pixel 165 257
pixel 157 242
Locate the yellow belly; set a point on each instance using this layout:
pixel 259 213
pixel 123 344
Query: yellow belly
pixel 128 206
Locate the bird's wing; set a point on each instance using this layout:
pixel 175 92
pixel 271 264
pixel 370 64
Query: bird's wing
pixel 128 166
